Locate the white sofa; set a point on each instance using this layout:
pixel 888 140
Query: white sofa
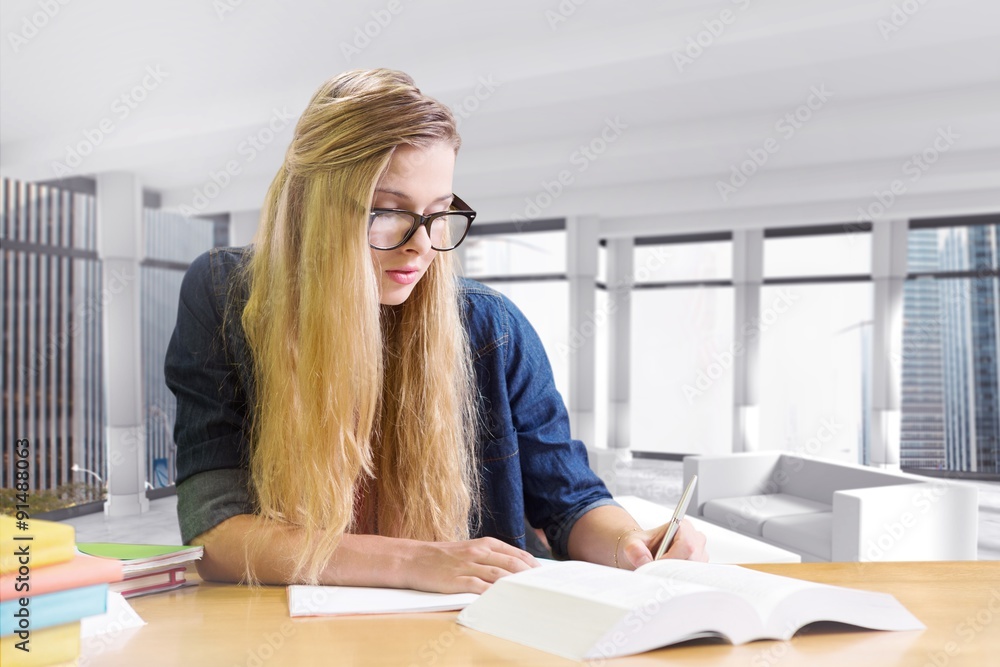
pixel 829 511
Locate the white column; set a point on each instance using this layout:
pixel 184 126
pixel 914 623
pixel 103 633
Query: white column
pixel 889 245
pixel 748 275
pixel 620 280
pixel 243 227
pixel 581 271
pixel 120 248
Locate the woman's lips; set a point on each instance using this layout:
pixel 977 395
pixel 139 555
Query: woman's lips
pixel 403 276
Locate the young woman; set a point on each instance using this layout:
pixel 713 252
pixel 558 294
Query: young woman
pixel 351 412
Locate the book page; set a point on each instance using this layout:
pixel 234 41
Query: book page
pixel 866 609
pixel 764 591
pixel 582 610
pixel 605 584
pixel 343 600
pixel 786 604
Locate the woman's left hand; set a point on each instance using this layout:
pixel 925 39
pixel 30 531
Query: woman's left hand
pixel 637 548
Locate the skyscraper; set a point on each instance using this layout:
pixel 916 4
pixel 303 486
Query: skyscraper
pixel 984 327
pixel 951 342
pixel 922 432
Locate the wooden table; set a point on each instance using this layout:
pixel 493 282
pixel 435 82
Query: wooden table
pixel 223 626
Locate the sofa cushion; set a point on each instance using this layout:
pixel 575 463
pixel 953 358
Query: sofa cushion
pixel 749 513
pixel 808 533
pixel 818 479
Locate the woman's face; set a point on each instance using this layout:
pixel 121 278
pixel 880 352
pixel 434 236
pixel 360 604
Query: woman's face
pixel 418 180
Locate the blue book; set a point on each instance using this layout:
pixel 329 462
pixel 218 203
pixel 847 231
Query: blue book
pixel 50 609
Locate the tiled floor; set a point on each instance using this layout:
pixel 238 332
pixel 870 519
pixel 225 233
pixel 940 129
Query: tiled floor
pixel 659 481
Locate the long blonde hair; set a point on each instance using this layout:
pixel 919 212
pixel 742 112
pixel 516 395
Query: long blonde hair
pixel 352 398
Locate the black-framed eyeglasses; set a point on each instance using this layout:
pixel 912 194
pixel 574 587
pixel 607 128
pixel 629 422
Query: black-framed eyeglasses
pixel 390 228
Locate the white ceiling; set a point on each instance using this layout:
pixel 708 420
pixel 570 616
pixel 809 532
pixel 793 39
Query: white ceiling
pixel 898 73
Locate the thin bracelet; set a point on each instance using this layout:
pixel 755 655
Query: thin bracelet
pixel 618 543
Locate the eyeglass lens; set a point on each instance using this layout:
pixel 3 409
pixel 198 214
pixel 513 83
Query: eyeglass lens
pixel 389 229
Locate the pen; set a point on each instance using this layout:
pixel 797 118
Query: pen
pixel 675 520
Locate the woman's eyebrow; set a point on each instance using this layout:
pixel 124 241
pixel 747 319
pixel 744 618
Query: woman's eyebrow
pixel 403 195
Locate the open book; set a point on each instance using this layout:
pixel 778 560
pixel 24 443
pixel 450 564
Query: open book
pixel 581 610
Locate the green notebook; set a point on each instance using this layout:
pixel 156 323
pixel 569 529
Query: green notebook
pixel 140 558
pixel 132 551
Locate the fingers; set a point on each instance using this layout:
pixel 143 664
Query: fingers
pixel 470 566
pixel 505 549
pixel 688 544
pixel 636 550
pixel 507 560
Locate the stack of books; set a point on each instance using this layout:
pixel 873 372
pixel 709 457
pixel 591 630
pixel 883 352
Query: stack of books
pixel 46 587
pixel 147 568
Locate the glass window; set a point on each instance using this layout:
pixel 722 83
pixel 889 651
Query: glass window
pixel 51 346
pixel 954 248
pixel 683 262
pixel 682 370
pixel 515 254
pixel 180 240
pixel 546 305
pixel 814 369
pixel 950 393
pixel 602 317
pixel 820 255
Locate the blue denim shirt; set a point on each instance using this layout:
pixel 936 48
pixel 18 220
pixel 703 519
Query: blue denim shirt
pixel 530 466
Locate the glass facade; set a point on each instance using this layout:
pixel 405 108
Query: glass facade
pixel 51 347
pixel 53 391
pixel 951 416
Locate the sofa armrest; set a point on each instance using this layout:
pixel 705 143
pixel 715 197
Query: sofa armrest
pixel 730 476
pixel 920 521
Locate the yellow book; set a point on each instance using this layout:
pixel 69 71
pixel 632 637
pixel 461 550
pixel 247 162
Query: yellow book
pixel 50 646
pixel 34 543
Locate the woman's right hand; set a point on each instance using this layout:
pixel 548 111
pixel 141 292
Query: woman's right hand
pixel 469 566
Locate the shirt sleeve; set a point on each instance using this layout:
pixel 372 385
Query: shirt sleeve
pixel 559 485
pixel 210 427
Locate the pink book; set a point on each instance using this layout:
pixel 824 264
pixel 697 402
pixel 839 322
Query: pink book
pixel 81 571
